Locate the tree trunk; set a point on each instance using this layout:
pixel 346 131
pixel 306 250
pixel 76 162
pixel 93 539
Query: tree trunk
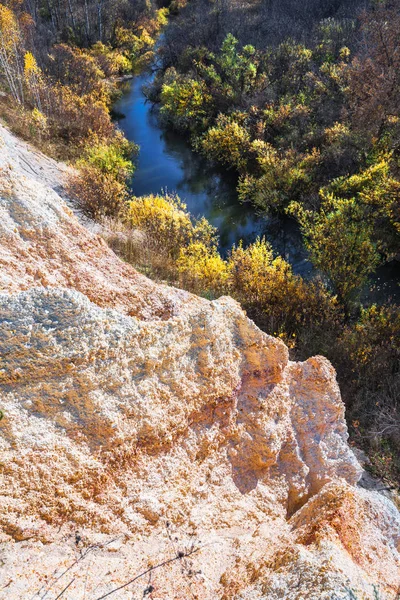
pixel 87 23
pixel 72 16
pixel 100 18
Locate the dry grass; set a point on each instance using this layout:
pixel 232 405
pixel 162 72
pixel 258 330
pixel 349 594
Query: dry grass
pixel 134 247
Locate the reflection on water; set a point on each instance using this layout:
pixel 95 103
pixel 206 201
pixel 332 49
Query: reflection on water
pixel 167 163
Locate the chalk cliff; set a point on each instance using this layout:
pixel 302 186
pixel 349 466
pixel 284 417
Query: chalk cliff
pixel 143 425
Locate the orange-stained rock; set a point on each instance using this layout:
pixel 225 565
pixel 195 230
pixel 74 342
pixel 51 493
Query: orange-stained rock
pixel 42 244
pixel 142 423
pixel 364 523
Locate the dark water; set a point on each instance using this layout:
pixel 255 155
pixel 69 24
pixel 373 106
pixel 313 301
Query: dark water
pixel 167 163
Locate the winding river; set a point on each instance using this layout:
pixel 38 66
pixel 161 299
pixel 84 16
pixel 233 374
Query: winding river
pixel 167 163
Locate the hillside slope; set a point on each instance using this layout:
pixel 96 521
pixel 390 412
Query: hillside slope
pixel 143 424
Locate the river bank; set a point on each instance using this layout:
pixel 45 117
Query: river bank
pixel 166 162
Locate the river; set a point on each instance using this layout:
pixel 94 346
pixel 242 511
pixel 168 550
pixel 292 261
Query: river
pixel 167 163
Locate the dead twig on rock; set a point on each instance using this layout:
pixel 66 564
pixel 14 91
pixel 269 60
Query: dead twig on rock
pixel 65 589
pixel 45 590
pixel 179 556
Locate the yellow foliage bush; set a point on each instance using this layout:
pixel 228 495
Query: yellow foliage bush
pixel 39 124
pixel 185 251
pixel 184 100
pixel 163 219
pixel 227 142
pixel 280 301
pixel 202 269
pixel 167 224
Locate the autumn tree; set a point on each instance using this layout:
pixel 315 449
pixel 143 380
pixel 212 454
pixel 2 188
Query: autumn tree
pixel 78 70
pixel 84 22
pixel 11 53
pixel 33 80
pixel 356 227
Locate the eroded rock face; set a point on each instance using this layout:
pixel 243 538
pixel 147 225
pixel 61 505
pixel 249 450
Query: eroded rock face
pixel 142 423
pixel 43 245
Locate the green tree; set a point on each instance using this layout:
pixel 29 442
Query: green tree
pixel 340 242
pixel 185 101
pixel 237 68
pixel 227 142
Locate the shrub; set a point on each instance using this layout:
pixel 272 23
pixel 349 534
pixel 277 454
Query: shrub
pixel 163 219
pixel 75 118
pixel 372 347
pixel 110 157
pixel 202 270
pixel 227 142
pixel 167 224
pixel 367 357
pixel 96 194
pixel 356 227
pixel 184 101
pixel 280 302
pixel 283 176
pixel 39 125
pixel 339 240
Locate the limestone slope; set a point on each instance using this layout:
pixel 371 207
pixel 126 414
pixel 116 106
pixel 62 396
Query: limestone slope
pixel 144 425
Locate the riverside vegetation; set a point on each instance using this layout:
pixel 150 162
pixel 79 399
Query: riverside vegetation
pixel 311 130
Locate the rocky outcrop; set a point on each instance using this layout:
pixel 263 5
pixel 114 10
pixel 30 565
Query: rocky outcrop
pixel 143 425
